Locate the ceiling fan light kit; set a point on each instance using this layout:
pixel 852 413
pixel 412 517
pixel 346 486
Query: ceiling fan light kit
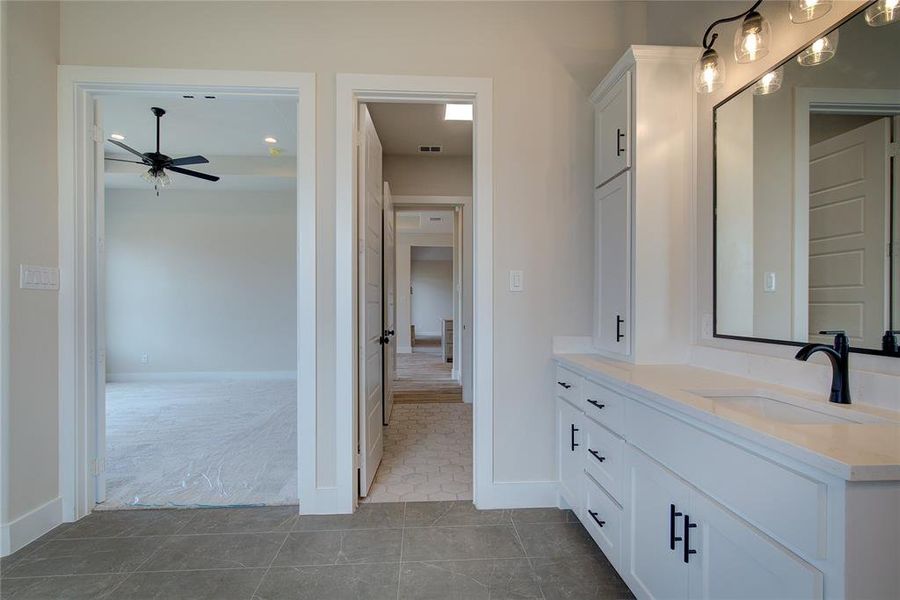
pixel 159 163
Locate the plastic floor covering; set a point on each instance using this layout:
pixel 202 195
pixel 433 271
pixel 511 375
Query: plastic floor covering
pixel 224 443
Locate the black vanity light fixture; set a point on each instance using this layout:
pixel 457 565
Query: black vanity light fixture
pixel 820 51
pixel 769 83
pixel 883 12
pixel 751 42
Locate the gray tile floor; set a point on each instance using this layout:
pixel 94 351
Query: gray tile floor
pixel 421 550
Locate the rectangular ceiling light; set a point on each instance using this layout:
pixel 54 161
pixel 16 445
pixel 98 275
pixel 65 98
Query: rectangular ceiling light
pixel 458 112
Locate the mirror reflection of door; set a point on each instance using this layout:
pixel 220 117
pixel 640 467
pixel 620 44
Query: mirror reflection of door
pixel 849 206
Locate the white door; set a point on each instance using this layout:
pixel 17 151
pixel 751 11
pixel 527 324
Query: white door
pixel 611 132
pixel 734 560
pixel 99 459
pixel 848 273
pixel 895 246
pixel 570 436
pixel 655 532
pixel 390 308
pixel 613 271
pixel 371 336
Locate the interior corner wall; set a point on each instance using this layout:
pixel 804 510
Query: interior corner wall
pixel 428 175
pixel 200 281
pixel 32 54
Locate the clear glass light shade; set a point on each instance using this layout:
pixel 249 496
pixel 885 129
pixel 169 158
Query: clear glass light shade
pixel 709 72
pixel 159 179
pixel 804 11
pixel 821 50
pixel 768 83
pixel 883 12
pixel 751 40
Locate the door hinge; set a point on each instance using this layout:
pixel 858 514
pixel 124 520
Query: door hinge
pixel 98 466
pixel 97 133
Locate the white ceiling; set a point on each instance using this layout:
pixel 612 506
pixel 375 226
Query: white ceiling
pixel 402 128
pixel 424 221
pixel 229 130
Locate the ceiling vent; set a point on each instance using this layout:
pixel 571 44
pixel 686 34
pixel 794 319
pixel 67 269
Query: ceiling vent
pixel 430 149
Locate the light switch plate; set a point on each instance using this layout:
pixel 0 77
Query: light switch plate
pixel 38 278
pixel 769 282
pixel 516 281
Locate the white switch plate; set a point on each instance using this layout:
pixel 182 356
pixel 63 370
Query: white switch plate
pixel 769 282
pixel 38 278
pixel 516 281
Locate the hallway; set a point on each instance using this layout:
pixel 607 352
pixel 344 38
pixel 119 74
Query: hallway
pixel 423 377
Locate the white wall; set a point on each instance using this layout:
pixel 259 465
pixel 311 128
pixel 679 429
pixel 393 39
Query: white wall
pixel 432 297
pixel 544 58
pixel 201 280
pixel 429 175
pixel 405 243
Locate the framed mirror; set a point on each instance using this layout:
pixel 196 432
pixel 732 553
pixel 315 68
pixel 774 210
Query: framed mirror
pixel 807 195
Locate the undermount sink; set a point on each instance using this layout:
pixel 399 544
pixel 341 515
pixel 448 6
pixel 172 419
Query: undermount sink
pixel 773 406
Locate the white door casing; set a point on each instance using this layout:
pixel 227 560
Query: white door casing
pixel 390 305
pixel 98 466
pixel 371 364
pixel 848 211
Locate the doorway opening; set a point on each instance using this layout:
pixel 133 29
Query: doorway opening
pixel 421 448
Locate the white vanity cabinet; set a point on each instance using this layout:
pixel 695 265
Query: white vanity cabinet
pixel 685 509
pixel 644 124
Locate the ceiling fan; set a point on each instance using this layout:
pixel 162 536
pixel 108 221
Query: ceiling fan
pixel 159 163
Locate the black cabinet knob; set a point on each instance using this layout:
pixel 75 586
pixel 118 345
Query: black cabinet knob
pixel 564 384
pixel 672 537
pixel 597 455
pixel 596 518
pixel 687 538
pixel 595 403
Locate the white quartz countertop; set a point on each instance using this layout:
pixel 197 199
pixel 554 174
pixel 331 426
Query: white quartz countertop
pixel 850 451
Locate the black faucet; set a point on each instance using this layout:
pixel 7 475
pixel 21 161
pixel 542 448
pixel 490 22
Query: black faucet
pixel 839 354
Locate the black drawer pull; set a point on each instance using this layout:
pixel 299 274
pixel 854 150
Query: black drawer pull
pixel 594 517
pixel 687 538
pixel 619 135
pixel 574 429
pixel 564 384
pixel 672 538
pixel 597 455
pixel 595 403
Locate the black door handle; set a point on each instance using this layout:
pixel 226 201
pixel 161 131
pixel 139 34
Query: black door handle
pixel 595 403
pixel 594 517
pixel 619 135
pixel 619 322
pixel 672 538
pixel 597 455
pixel 391 332
pixel 574 429
pixel 565 385
pixel 687 538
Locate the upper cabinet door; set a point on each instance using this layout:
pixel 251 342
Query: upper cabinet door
pixel 612 131
pixel 734 560
pixel 612 211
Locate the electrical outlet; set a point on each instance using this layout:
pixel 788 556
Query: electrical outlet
pixel 145 358
pixel 516 283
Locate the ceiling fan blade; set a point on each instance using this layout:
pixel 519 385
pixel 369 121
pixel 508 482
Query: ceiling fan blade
pixel 134 162
pixel 189 160
pixel 129 148
pixel 193 173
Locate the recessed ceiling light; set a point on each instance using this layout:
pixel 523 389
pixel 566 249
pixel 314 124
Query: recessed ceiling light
pixel 117 136
pixel 458 112
pixel 270 140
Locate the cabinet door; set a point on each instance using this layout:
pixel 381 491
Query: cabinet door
pixel 735 560
pixel 571 470
pixel 612 279
pixel 653 545
pixel 612 131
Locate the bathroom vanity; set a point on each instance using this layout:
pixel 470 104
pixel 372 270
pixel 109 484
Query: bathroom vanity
pixel 699 484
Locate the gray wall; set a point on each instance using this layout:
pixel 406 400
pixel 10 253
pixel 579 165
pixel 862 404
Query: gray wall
pixel 201 281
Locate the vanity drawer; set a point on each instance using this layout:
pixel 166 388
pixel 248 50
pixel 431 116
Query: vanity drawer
pixel 783 503
pixel 604 457
pixel 568 385
pixel 605 406
pixel 603 519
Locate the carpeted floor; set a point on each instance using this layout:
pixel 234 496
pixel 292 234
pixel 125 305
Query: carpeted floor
pixel 201 443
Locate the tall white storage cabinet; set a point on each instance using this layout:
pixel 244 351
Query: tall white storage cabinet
pixel 644 147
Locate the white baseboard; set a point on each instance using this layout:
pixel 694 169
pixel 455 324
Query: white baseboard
pixel 404 349
pixel 198 376
pixel 23 530
pixel 455 375
pixel 518 494
pixel 572 344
